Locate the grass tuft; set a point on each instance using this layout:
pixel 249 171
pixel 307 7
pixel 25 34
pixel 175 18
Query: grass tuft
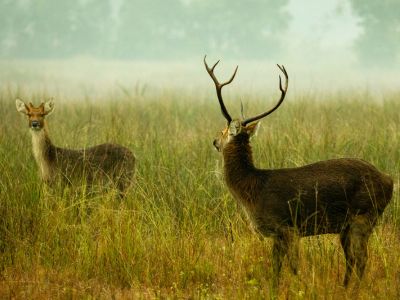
pixel 179 233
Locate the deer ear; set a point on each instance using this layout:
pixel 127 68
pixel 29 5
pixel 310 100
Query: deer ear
pixel 49 107
pixel 21 106
pixel 252 129
pixel 234 127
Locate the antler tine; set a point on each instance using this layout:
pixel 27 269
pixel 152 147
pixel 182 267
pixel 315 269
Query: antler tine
pixel 219 86
pixel 282 68
pixel 231 79
pixel 213 67
pixel 283 94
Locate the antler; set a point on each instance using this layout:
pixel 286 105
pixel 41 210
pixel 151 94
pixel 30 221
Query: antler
pixel 283 94
pixel 219 87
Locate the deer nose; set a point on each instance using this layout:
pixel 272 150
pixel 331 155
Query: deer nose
pixel 35 124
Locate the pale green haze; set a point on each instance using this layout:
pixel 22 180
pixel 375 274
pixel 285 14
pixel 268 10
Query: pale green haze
pixel 324 44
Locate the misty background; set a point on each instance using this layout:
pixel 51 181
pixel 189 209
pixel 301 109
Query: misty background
pixel 324 44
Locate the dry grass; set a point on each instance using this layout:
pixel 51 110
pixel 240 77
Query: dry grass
pixel 179 233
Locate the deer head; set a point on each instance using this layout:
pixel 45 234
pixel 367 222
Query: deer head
pixel 35 115
pixel 236 127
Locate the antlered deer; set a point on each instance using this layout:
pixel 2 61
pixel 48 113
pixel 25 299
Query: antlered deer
pixel 343 196
pixel 105 164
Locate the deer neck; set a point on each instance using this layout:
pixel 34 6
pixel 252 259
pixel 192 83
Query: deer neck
pixel 42 148
pixel 238 165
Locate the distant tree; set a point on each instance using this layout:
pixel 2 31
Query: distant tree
pixel 141 29
pixel 379 43
pixel 53 29
pixel 150 29
pixel 15 27
pixel 247 29
pixel 176 29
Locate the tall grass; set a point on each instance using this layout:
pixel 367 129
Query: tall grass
pixel 179 233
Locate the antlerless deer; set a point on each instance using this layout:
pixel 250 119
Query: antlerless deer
pixel 105 164
pixel 344 196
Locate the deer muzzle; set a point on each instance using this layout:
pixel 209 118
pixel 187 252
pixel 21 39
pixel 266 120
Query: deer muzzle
pixel 35 125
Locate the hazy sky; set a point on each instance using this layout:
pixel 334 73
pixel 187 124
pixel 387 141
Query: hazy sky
pixel 324 44
pixel 322 26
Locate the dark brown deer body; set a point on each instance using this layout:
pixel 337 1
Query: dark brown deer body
pixel 105 165
pixel 343 196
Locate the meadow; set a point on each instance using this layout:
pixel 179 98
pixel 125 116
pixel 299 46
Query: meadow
pixel 179 233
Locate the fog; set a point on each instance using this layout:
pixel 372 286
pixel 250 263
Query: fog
pixel 86 44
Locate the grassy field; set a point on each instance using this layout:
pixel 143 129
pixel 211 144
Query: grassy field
pixel 179 233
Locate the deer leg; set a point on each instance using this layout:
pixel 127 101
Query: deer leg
pixel 293 242
pixel 361 254
pixel 122 188
pixel 360 231
pixel 345 240
pixel 122 183
pixel 283 245
pixel 290 245
pixel 278 254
